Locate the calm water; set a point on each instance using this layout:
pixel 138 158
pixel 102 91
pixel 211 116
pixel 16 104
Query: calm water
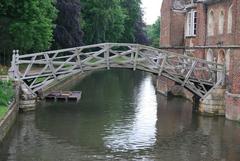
pixel 120 117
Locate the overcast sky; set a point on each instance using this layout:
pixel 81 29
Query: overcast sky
pixel 151 10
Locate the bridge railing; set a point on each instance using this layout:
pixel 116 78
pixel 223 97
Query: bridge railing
pixel 38 70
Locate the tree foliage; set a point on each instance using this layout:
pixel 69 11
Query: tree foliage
pixel 31 25
pixel 68 31
pixel 134 25
pixel 153 32
pixel 103 21
pixel 26 24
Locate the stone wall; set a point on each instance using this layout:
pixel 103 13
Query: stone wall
pixel 230 9
pixel 8 120
pixel 166 86
pixel 214 104
pixel 180 91
pixel 172 25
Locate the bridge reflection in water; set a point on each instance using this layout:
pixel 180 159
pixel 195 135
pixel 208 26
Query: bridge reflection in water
pixel 120 117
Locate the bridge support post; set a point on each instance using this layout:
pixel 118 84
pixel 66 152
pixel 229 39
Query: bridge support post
pixel 27 101
pixel 214 104
pixel 106 56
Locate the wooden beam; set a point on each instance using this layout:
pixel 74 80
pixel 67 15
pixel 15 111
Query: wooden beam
pixel 169 64
pixel 190 72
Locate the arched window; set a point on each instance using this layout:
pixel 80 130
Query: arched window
pixel 230 18
pixel 210 23
pixel 209 55
pixel 221 22
pixel 221 60
pixel 221 57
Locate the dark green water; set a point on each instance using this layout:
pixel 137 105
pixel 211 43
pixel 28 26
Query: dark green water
pixel 120 117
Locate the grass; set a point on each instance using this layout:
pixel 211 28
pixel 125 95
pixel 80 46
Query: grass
pixel 120 59
pixel 3 111
pixel 40 79
pixel 6 95
pixel 93 60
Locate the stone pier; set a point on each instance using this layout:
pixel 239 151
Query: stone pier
pixel 214 104
pixel 27 101
pixel 164 85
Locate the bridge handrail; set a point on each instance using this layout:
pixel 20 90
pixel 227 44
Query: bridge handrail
pixel 118 45
pixel 193 73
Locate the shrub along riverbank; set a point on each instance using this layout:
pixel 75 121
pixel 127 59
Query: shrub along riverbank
pixel 6 95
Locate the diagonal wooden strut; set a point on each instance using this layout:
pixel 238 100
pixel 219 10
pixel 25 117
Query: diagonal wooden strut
pixel 192 73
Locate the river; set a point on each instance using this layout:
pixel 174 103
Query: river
pixel 120 117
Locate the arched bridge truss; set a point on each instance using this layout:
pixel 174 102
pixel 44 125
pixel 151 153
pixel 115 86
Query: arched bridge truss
pixel 38 70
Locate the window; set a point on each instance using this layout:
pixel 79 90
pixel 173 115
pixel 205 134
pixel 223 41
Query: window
pixel 210 23
pixel 229 30
pixel 221 60
pixel 191 24
pixel 221 23
pixel 210 55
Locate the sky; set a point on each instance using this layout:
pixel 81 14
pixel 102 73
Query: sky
pixel 151 9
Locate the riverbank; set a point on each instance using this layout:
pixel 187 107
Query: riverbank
pixel 6 95
pixel 8 106
pixel 8 119
pixel 3 110
pixel 9 113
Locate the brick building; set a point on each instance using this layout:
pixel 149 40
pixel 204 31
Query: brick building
pixel 213 25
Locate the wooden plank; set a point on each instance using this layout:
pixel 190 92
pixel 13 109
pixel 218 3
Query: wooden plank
pixel 190 72
pixel 162 65
pixel 136 58
pixel 106 55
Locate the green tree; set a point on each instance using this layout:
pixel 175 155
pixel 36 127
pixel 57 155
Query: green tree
pixel 103 21
pixel 131 8
pixel 26 24
pixel 68 31
pixel 153 32
pixel 134 25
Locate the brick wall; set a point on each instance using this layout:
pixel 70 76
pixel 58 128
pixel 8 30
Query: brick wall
pixel 165 23
pixel 177 29
pixel 172 26
pixel 172 34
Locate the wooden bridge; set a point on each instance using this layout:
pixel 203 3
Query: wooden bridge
pixel 38 70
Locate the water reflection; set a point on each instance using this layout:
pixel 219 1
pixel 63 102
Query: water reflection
pixel 140 132
pixel 120 117
pixel 174 116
